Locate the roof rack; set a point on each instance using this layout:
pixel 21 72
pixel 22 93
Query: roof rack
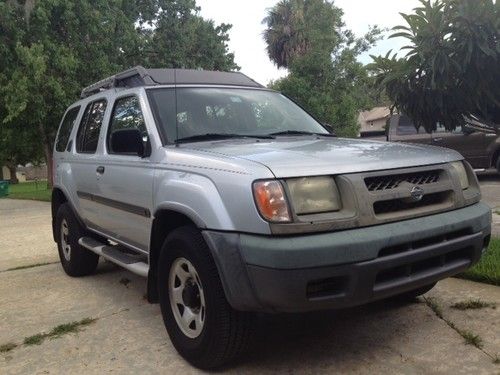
pixel 139 76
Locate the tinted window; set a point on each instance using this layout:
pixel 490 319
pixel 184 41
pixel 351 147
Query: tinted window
pixel 65 129
pixel 88 133
pixel 198 111
pixel 406 127
pixel 441 129
pixel 126 114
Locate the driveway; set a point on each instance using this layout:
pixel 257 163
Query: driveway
pixel 128 335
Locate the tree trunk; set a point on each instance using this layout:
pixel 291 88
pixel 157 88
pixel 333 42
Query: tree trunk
pixel 47 150
pixel 13 176
pixel 48 161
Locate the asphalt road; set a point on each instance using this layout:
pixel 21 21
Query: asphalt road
pixel 128 336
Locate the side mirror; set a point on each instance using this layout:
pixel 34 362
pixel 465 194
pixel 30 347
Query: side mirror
pixel 329 127
pixel 467 130
pixel 130 141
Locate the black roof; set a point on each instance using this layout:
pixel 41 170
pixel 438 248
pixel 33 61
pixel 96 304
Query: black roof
pixel 139 76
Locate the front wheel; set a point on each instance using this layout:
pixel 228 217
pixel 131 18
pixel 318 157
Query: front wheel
pixel 202 325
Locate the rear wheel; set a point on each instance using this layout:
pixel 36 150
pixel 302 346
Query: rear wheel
pixel 202 325
pixel 75 259
pixel 498 163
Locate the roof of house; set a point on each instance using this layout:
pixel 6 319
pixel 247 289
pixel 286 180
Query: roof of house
pixel 376 113
pixel 140 76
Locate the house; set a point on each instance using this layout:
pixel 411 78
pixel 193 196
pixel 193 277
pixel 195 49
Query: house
pixel 373 122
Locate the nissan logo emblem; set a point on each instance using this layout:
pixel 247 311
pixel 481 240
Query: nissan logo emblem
pixel 416 193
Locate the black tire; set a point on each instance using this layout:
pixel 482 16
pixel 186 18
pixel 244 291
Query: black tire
pixel 225 333
pixel 498 163
pixel 78 261
pixel 412 294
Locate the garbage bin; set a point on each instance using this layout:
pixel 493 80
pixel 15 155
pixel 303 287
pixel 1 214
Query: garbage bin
pixel 4 188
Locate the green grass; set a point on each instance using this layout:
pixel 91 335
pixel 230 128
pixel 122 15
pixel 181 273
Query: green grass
pixel 30 190
pixel 488 268
pixel 30 266
pixel 58 331
pixel 7 347
pixel 472 304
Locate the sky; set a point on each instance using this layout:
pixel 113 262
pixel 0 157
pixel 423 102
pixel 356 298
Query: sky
pixel 246 40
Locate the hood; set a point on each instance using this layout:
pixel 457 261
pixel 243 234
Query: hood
pixel 308 156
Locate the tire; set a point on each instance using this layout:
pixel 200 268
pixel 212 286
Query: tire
pixel 219 333
pixel 75 259
pixel 498 164
pixel 412 294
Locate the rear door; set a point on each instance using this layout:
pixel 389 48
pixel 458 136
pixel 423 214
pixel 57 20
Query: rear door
pixel 402 129
pixel 85 160
pixel 471 144
pixel 125 180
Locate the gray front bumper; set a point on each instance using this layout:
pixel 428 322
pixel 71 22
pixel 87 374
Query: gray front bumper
pixel 350 267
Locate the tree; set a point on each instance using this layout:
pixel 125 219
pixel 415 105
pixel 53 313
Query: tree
pixel 451 69
pixel 309 38
pixel 50 49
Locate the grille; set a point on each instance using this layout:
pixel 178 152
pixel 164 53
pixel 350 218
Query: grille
pixel 379 183
pixel 397 205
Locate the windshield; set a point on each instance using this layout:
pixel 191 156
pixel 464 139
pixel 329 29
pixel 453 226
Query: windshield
pixel 207 111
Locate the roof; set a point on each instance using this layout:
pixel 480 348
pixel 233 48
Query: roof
pixel 140 76
pixel 376 113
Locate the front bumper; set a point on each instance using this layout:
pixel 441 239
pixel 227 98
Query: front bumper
pixel 350 267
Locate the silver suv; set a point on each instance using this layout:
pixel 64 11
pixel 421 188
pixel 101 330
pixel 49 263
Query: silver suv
pixel 232 200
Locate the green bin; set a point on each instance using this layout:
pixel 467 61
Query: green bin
pixel 4 188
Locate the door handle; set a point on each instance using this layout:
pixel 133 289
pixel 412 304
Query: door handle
pixel 100 169
pixel 437 139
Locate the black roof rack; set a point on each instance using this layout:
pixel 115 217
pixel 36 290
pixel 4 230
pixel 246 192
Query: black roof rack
pixel 139 76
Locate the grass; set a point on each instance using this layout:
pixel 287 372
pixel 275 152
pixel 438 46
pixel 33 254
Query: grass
pixel 30 266
pixel 488 268
pixel 58 331
pixel 7 347
pixel 472 304
pixel 30 190
pixel 469 337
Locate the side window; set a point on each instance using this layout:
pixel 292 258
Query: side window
pixel 90 126
pixel 126 118
pixel 406 127
pixel 65 129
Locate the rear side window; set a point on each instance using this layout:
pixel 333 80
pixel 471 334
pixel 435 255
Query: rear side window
pixel 406 127
pixel 90 127
pixel 126 115
pixel 65 129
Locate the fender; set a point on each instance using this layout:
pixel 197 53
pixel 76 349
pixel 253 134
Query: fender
pixel 194 196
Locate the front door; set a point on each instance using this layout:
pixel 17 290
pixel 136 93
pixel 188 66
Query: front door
pixel 125 180
pixel 471 144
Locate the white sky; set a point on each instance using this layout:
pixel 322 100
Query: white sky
pixel 246 35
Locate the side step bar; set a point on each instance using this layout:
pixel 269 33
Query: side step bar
pixel 134 263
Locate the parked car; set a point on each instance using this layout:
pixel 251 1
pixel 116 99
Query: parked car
pixel 477 142
pixel 233 200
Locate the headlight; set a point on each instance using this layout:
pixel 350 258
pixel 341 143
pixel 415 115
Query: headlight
pixel 314 195
pixel 462 174
pixel 270 200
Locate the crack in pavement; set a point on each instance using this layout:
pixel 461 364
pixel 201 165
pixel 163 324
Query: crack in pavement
pixel 474 341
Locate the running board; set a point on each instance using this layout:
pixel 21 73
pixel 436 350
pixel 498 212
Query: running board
pixel 132 262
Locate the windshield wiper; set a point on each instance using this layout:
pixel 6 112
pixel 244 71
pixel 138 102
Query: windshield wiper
pixel 216 136
pixel 301 132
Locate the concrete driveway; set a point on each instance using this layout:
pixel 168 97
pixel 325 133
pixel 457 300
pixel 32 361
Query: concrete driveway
pixel 128 336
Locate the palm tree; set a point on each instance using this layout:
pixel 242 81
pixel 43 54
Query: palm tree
pixel 284 35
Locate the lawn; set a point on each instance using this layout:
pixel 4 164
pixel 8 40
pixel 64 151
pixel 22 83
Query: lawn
pixel 30 190
pixel 488 268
